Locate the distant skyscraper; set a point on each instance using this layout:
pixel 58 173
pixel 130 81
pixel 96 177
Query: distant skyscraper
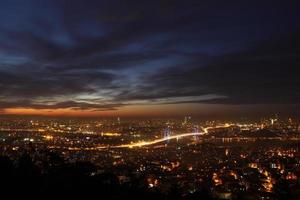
pixel 187 119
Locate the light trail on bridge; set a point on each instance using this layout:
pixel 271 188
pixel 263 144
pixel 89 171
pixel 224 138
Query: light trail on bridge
pixel 156 141
pixel 147 143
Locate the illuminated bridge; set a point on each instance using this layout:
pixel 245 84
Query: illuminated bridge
pixel 166 138
pixel 147 143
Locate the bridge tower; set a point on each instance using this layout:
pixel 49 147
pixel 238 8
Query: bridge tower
pixel 196 130
pixel 167 133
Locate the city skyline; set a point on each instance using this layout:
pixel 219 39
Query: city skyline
pixel 161 158
pixel 208 59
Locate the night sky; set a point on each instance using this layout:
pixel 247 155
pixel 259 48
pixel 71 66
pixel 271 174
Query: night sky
pixel 150 58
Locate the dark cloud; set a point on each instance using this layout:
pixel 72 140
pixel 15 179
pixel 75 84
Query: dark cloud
pixel 264 74
pixel 24 82
pixel 54 53
pixel 60 105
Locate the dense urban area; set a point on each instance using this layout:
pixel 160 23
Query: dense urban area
pixel 158 159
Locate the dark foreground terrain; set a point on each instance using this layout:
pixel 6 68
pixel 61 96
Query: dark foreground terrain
pixel 22 178
pixel 25 178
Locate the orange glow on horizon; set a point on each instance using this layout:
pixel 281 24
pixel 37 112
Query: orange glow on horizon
pixel 53 112
pixel 141 110
pixel 163 110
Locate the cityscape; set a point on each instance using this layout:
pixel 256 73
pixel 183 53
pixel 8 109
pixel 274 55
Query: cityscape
pixel 150 99
pixel 219 159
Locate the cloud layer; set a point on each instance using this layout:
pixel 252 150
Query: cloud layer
pixel 103 55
